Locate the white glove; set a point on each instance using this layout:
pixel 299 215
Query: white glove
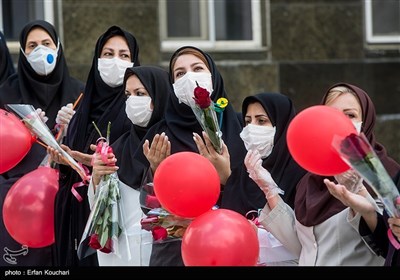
pixel 351 180
pixel 260 175
pixel 42 115
pixel 65 114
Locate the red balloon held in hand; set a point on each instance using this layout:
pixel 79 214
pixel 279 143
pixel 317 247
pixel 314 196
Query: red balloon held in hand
pixel 220 237
pixel 28 209
pixel 15 140
pixel 310 135
pixel 186 184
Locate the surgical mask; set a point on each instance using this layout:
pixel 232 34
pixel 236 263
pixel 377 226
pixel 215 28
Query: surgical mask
pixel 138 109
pixel 259 137
pixel 357 126
pixel 184 86
pixel 112 70
pixel 42 59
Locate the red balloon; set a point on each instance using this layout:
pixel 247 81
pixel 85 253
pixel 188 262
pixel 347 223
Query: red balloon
pixel 15 140
pixel 220 237
pixel 310 135
pixel 28 209
pixel 186 184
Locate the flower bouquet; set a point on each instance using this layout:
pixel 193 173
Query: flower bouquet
pixel 358 153
pixel 106 220
pixel 34 123
pixel 164 226
pixel 205 112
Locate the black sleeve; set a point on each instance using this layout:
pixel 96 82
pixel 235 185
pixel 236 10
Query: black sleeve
pixel 377 240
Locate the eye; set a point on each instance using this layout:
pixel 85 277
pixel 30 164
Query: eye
pixel 125 56
pixel 107 54
pixel 264 121
pixel 198 69
pixel 140 93
pixel 350 115
pixel 179 74
pixel 127 94
pixel 32 45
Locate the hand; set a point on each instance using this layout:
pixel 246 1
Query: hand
pixel 83 158
pixel 56 156
pixel 394 224
pixel 42 115
pixel 160 149
pixel 65 114
pixel 221 161
pixel 357 201
pixel 101 168
pixel 260 175
pixel 351 180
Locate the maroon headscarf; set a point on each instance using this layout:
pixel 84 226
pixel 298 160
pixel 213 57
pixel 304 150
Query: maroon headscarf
pixel 313 203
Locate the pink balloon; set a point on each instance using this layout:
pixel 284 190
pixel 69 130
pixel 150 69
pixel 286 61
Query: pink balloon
pixel 220 237
pixel 310 135
pixel 15 140
pixel 28 209
pixel 186 184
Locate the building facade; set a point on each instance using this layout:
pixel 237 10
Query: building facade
pixel 296 47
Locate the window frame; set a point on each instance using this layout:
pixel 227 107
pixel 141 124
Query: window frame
pixel 212 43
pixel 48 12
pixel 370 37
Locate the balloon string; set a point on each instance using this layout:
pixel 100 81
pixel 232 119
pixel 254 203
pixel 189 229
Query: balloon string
pixel 41 143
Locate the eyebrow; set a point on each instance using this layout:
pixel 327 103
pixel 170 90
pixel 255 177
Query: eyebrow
pixel 257 116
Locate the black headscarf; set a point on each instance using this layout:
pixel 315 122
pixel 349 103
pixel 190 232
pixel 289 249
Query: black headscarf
pixel 156 81
pixel 241 193
pixel 6 63
pixel 313 203
pixel 101 104
pixel 179 125
pixel 48 93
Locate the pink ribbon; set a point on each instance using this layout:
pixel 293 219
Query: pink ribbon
pixel 84 182
pixel 393 240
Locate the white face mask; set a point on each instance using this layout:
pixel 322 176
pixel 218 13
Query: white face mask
pixel 42 59
pixel 258 137
pixel 112 70
pixel 184 86
pixel 138 110
pixel 357 126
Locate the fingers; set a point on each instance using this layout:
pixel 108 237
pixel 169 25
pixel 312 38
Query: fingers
pixel 159 149
pixel 65 114
pixel 54 155
pixel 394 224
pixel 200 144
pixel 42 115
pixel 104 168
pixel 93 147
pixel 146 148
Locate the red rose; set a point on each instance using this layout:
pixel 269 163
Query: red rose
pixel 159 233
pixel 148 223
pixel 355 147
pixel 94 241
pixel 152 202
pixel 107 247
pixel 202 97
